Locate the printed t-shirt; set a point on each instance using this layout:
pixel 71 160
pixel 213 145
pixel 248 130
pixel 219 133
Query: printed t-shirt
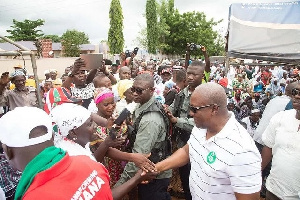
pixel 74 177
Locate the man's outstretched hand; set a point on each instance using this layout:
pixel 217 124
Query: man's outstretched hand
pixel 145 177
pixel 142 162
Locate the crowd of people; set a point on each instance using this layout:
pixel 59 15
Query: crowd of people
pixel 148 129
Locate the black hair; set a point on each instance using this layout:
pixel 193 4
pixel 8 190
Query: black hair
pixel 147 78
pixel 38 131
pixel 181 75
pixel 197 63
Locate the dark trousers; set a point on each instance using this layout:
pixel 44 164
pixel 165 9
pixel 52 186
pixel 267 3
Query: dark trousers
pixel 156 189
pixel 184 173
pixel 271 196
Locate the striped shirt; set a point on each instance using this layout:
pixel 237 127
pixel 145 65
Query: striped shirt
pixel 226 163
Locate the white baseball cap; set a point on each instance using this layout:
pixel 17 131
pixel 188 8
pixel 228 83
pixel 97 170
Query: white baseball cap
pixel 17 124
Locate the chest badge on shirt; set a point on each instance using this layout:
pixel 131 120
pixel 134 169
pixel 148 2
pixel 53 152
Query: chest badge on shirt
pixel 211 157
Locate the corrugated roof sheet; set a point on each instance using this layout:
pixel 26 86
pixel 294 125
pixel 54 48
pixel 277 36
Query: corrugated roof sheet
pixel 30 45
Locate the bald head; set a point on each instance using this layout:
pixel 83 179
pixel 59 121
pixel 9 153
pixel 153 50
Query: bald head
pixel 289 87
pixel 211 93
pixel 102 80
pixel 124 68
pixel 124 73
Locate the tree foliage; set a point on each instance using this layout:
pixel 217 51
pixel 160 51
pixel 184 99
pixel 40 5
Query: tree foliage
pixel 25 30
pixel 54 38
pixel 191 27
pixel 115 33
pixel 152 27
pixel 141 39
pixel 174 30
pixel 163 27
pixel 71 41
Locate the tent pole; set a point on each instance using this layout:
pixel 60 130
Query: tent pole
pixel 226 63
pixel 38 90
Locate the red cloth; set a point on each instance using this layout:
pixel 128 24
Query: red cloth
pixel 265 76
pixel 74 177
pixel 223 82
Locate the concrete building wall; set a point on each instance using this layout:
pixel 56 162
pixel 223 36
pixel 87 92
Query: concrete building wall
pixel 7 65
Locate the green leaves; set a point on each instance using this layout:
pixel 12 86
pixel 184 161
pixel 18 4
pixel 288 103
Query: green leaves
pixel 169 31
pixel 71 40
pixel 192 27
pixel 152 27
pixel 54 38
pixel 26 30
pixel 115 33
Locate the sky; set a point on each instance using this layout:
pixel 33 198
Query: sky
pixel 92 16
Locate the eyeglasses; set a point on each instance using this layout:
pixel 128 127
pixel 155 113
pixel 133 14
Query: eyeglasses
pixel 138 90
pixel 295 92
pixel 195 109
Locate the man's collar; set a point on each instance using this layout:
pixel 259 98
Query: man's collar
pixel 228 127
pixel 26 89
pixel 144 106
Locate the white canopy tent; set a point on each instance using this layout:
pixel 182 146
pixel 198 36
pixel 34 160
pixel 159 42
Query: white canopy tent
pixel 265 31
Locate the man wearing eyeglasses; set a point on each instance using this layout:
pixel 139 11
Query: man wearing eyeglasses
pixel 225 163
pixel 149 136
pixel 281 139
pixel 183 123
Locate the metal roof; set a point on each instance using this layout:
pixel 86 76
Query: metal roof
pixel 10 47
pixel 30 45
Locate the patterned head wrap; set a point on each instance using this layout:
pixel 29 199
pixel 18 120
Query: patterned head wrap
pixel 17 73
pixel 124 85
pixel 58 96
pixel 67 117
pixel 102 94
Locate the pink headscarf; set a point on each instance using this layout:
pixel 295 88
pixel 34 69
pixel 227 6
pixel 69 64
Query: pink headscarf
pixel 102 94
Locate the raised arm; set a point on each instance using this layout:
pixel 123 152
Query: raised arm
pixel 206 57
pixel 69 80
pixel 4 80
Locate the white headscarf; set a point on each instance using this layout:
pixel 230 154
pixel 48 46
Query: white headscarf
pixel 65 118
pixel 69 116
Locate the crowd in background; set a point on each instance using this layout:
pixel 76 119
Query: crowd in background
pixel 255 93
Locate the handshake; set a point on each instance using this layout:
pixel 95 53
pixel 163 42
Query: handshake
pixel 148 170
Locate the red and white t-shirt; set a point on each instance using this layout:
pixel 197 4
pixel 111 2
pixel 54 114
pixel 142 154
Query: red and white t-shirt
pixel 75 177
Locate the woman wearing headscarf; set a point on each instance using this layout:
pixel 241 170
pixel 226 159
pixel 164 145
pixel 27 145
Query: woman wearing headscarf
pixel 58 96
pixel 74 129
pixel 104 99
pixel 169 92
pixel 125 94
